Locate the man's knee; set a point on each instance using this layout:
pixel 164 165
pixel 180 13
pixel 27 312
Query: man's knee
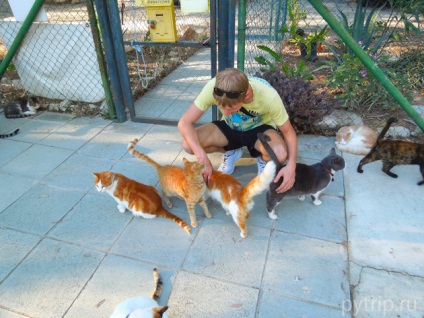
pixel 187 148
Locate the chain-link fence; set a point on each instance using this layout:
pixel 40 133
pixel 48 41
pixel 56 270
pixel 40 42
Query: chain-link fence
pixel 148 63
pixel 57 58
pixel 341 92
pixel 322 93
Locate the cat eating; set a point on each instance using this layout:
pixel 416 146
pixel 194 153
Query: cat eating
pixel 235 199
pixel 187 183
pixel 140 199
pixel 142 306
pixel 310 179
pixel 356 139
pixel 394 152
pixel 21 108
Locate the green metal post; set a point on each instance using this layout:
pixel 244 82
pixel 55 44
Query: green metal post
pixel 21 35
pixel 367 61
pixel 241 37
pixel 101 58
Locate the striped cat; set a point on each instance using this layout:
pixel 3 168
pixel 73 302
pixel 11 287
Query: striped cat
pixel 235 199
pixel 140 199
pixel 186 183
pixel 142 306
pixel 394 152
pixel 9 135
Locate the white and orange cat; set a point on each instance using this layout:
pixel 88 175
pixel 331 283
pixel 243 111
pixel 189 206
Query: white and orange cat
pixel 142 306
pixel 235 199
pixel 356 139
pixel 140 199
pixel 186 183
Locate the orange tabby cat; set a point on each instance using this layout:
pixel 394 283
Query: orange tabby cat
pixel 236 199
pixel 186 183
pixel 356 139
pixel 140 199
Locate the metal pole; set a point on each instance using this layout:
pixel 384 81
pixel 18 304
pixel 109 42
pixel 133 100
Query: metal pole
pixel 110 59
pixel 100 58
pixel 120 57
pixel 241 36
pixel 231 32
pixel 213 18
pixel 367 61
pixel 32 14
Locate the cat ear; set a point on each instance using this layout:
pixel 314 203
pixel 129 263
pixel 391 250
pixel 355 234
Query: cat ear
pixel 185 160
pixel 333 151
pixel 160 310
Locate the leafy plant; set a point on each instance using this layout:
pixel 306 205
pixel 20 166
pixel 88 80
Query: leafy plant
pixel 358 89
pixel 304 103
pixel 300 69
pixel 411 64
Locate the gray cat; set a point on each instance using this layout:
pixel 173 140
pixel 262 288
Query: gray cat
pixel 21 108
pixel 310 179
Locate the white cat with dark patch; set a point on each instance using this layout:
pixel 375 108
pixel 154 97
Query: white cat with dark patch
pixel 356 139
pixel 142 306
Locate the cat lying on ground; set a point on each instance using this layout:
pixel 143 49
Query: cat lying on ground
pixel 140 199
pixel 186 183
pixel 394 152
pixel 356 139
pixel 310 179
pixel 21 108
pixel 142 306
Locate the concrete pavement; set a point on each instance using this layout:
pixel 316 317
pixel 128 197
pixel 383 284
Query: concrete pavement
pixel 66 251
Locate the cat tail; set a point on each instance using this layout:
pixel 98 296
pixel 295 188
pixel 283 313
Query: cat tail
pixel 168 215
pixel 158 285
pixel 383 132
pixel 260 183
pixel 140 155
pixel 10 135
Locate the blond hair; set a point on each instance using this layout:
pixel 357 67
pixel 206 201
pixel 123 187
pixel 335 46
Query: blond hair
pixel 231 80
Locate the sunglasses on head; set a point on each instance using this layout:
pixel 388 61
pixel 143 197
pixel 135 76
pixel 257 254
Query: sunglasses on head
pixel 231 95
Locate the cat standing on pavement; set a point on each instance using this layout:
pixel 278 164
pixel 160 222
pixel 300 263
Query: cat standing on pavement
pixel 142 306
pixel 186 183
pixel 310 179
pixel 140 199
pixel 356 139
pixel 236 199
pixel 21 108
pixel 394 152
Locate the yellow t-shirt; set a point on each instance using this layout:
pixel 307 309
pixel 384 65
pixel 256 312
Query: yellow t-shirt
pixel 266 107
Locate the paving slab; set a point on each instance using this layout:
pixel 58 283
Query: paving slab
pixel 308 269
pixel 36 162
pixel 220 252
pixel 199 296
pixel 39 209
pixel 12 188
pixel 385 294
pixel 48 280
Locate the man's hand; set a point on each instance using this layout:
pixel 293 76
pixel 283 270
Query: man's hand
pixel 207 173
pixel 288 173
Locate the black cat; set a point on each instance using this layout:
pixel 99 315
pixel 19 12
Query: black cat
pixel 310 179
pixel 394 152
pixel 21 108
pixel 9 135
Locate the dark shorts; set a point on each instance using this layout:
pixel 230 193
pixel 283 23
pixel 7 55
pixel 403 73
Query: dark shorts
pixel 237 139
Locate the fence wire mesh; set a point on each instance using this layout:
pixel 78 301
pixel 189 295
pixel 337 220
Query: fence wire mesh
pixel 332 89
pixel 58 62
pixel 148 63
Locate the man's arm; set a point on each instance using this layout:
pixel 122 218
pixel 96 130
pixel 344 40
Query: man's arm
pixel 289 171
pixel 191 141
